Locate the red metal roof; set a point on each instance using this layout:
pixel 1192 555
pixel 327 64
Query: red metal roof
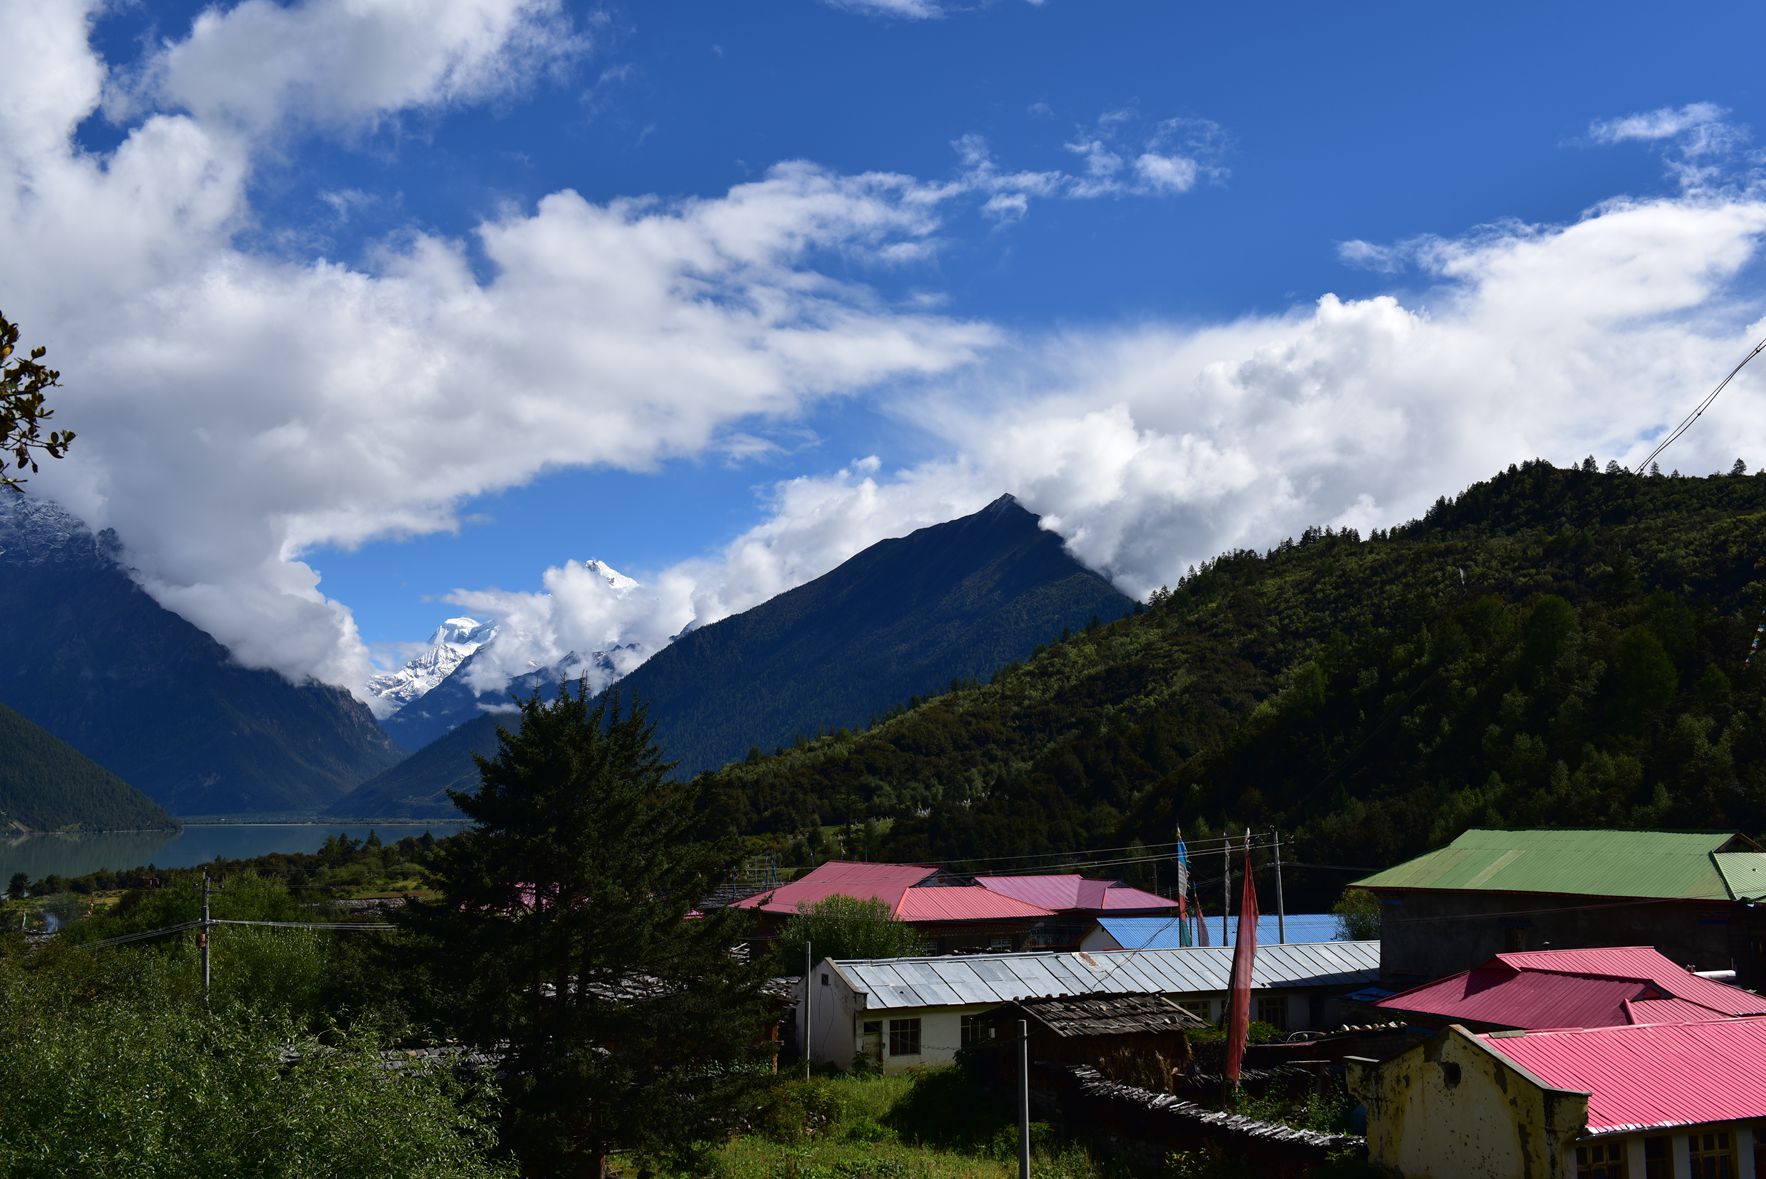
pixel 1066 891
pixel 1575 989
pixel 893 884
pixel 1651 1076
pixel 884 882
pixel 964 903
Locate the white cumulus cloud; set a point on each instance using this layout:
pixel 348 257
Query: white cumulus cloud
pixel 236 409
pixel 1153 448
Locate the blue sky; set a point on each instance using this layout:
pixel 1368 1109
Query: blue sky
pixel 351 358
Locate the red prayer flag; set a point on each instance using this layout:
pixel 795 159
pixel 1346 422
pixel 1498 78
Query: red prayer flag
pixel 1201 925
pixel 1244 958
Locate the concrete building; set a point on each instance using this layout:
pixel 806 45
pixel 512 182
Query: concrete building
pixel 910 1012
pixel 1690 895
pixel 1629 1102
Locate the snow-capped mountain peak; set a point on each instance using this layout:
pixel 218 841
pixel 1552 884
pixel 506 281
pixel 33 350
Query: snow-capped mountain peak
pixel 453 642
pixel 457 632
pixel 620 582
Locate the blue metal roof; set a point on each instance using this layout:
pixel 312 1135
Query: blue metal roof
pixel 1160 933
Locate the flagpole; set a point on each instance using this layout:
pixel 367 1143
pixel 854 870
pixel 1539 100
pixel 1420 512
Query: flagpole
pixel 1243 969
pixel 1226 886
pixel 1281 910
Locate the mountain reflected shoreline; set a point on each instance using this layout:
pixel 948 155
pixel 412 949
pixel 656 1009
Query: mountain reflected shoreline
pixel 196 843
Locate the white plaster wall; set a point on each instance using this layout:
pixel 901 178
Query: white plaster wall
pixel 1098 939
pixel 832 1025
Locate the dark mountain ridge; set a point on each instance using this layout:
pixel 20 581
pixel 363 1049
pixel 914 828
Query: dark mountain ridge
pixel 1549 648
pixel 98 663
pixel 48 785
pixel 905 617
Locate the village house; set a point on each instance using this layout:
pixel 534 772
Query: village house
pixel 1639 1101
pixel 1570 989
pixel 1132 1039
pixel 1076 903
pixel 1691 895
pixel 951 916
pixel 958 914
pixel 909 1012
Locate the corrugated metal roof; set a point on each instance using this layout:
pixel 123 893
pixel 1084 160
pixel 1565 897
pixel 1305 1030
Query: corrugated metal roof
pixel 884 882
pixel 1525 1000
pixel 1671 864
pixel 964 902
pixel 1108 1015
pixel 1652 1076
pixel 1575 988
pixel 1743 872
pixel 1161 933
pixel 1667 1011
pixel 1002 978
pixel 1065 891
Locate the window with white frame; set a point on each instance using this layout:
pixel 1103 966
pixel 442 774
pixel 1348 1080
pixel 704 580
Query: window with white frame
pixel 976 1030
pixel 904 1037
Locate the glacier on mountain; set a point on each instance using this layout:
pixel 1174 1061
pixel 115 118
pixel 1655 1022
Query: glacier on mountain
pixel 453 642
pixel 511 659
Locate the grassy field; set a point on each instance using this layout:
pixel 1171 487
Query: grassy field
pixel 937 1124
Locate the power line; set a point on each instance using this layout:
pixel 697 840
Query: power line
pixel 1696 414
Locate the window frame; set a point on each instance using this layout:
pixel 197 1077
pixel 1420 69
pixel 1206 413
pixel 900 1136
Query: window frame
pixel 1660 1166
pixel 1602 1158
pixel 903 1032
pixel 1715 1159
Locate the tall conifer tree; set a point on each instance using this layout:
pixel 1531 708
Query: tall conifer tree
pixel 565 937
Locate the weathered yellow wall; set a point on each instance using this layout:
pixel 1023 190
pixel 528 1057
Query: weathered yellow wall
pixel 1453 1109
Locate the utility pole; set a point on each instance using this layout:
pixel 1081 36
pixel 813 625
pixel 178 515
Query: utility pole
pixel 1023 1099
pixel 1281 912
pixel 808 997
pixel 202 939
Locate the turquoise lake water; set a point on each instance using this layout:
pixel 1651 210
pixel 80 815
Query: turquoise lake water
pixel 39 855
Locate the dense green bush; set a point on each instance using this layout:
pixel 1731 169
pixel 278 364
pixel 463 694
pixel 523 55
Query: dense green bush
pixel 110 1066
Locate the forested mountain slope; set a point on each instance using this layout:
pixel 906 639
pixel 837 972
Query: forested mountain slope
pixel 48 785
pixel 1552 647
pixel 96 661
pixel 904 617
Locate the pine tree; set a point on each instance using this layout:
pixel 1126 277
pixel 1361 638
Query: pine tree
pixel 565 935
pixel 1740 468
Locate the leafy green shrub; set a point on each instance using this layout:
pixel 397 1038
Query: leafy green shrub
pixel 110 1066
pixel 796 1110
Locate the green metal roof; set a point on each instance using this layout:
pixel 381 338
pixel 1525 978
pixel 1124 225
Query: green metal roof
pixel 1744 872
pixel 1675 864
